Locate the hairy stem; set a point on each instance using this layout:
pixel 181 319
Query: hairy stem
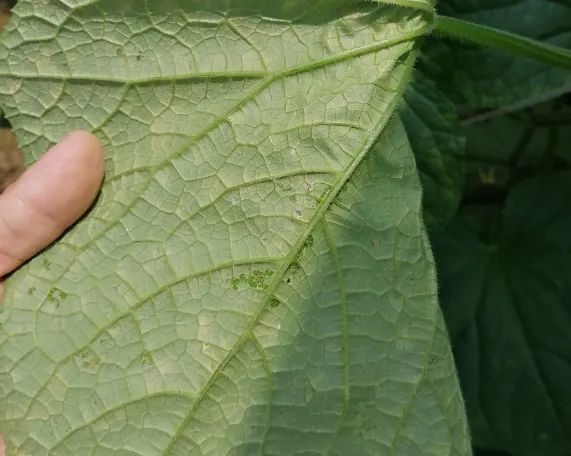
pixel 506 41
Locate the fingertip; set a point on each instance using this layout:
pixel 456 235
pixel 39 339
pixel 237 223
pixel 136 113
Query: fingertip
pixel 84 148
pixel 88 139
pixel 66 180
pixel 49 197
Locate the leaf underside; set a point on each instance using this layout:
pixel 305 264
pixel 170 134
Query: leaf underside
pixel 255 277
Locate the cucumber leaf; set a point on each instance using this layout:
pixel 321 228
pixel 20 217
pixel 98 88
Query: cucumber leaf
pixel 255 277
pixel 506 293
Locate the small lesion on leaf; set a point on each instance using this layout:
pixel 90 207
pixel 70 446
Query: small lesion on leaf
pixel 55 295
pixel 296 263
pixel 257 279
pixel 293 268
pixel 146 358
pixel 90 360
pixel 285 186
pixel 323 195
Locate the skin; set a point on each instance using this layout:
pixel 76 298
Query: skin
pixel 47 199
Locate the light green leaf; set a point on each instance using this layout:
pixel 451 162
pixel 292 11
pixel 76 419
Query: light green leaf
pixel 488 78
pixel 255 278
pixel 506 294
pixel 438 142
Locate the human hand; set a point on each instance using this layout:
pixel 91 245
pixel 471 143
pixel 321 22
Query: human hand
pixel 50 196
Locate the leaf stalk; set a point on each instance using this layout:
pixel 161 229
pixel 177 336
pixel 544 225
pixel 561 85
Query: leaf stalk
pixel 510 42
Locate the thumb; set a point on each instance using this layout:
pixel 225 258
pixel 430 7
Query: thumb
pixel 48 198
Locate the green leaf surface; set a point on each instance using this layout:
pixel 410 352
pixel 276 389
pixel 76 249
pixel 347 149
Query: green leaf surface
pixel 438 142
pixel 481 452
pixel 488 78
pixel 506 295
pixel 255 277
pixel 503 149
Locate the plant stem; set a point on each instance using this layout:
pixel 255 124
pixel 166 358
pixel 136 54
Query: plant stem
pixel 506 41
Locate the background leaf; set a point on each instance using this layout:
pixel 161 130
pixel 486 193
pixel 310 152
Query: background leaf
pixel 506 293
pixel 502 150
pixel 255 277
pixel 438 141
pixel 487 78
